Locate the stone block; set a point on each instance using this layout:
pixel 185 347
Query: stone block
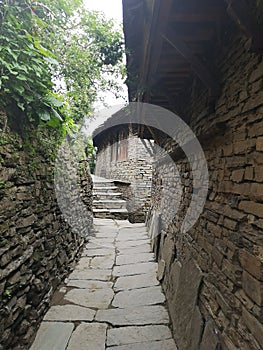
pixel 134 269
pixel 69 313
pixel 230 224
pixel 196 330
pixel 88 336
pixel 249 173
pixel 224 304
pixel 245 300
pixel 91 274
pixel 183 304
pixel 241 147
pixel 259 144
pixel 233 272
pixel 256 130
pixel 251 263
pixel 96 298
pixel 259 173
pixel 132 335
pixel 145 315
pixel 161 270
pixel 255 327
pixel 210 339
pixel 238 175
pixel 256 191
pixel 25 222
pixel 137 281
pixel 168 250
pixel 253 288
pixel 217 256
pixel 134 258
pixel 252 208
pixel 53 335
pixel 89 284
pixel 155 230
pixel 171 281
pixel 139 297
pixel 167 344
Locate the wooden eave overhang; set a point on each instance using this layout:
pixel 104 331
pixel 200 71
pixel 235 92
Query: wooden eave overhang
pixel 172 42
pixel 121 121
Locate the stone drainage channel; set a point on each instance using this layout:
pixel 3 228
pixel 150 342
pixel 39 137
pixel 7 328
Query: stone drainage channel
pixel 112 299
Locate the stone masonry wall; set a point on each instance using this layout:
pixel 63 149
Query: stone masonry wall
pixel 136 170
pixel 213 275
pixel 37 246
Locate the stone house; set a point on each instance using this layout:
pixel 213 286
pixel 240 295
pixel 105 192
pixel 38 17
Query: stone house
pixel 203 60
pixel 127 159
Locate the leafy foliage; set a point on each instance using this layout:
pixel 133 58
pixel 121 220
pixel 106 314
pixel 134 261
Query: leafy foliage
pixel 54 58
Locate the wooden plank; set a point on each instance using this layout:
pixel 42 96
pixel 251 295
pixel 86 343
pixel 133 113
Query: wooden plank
pixel 173 66
pixel 154 46
pixel 196 17
pixel 198 67
pixel 176 74
pixel 241 14
pixel 192 32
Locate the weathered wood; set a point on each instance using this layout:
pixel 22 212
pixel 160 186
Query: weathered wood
pixel 152 53
pixel 193 32
pixel 198 67
pixel 241 14
pixel 196 17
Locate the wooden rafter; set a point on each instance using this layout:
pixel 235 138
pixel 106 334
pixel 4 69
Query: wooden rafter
pixel 196 17
pixel 153 52
pixel 242 15
pixel 197 65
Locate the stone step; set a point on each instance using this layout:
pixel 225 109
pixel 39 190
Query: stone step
pixel 103 184
pixel 109 204
pixel 107 189
pixel 118 214
pixel 107 201
pixel 107 195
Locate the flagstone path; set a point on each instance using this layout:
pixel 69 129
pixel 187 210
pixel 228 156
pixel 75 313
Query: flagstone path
pixel 112 300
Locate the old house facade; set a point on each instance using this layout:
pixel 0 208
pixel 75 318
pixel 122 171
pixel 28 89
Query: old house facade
pixel 203 60
pixel 127 159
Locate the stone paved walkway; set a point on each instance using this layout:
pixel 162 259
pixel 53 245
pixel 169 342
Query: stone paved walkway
pixel 112 300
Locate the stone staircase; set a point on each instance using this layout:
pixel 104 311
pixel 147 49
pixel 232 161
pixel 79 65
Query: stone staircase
pixel 107 201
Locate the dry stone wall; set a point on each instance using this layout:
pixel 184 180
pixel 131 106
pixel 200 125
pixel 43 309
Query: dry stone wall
pixel 37 246
pixel 213 275
pixel 136 170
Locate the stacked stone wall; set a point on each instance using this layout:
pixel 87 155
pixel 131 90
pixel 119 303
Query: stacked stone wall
pixel 213 275
pixel 37 246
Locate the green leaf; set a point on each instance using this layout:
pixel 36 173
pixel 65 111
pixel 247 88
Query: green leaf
pixel 19 89
pixel 21 105
pixel 21 77
pixel 54 122
pixel 52 101
pixel 45 116
pixel 55 113
pixel 42 50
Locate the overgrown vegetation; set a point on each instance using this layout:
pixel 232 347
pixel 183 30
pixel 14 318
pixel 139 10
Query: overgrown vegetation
pixel 54 58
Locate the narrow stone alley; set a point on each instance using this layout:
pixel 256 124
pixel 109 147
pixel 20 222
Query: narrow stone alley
pixel 112 299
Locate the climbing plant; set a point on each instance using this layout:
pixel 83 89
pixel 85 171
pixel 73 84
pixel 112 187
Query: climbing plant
pixel 55 56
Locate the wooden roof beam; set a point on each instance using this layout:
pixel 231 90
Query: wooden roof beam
pixel 196 17
pixel 152 52
pixel 197 65
pixel 242 15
